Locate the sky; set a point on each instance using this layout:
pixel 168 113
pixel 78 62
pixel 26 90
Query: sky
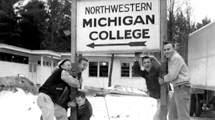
pixel 202 8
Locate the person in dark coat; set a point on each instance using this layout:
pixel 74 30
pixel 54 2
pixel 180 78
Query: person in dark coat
pixel 151 74
pixel 83 106
pixel 76 71
pixel 54 94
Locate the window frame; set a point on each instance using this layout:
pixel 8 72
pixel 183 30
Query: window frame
pixel 8 57
pixel 130 70
pixel 98 69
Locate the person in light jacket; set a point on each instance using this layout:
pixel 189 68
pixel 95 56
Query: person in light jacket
pixel 178 74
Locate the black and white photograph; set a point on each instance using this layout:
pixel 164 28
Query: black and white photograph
pixel 107 60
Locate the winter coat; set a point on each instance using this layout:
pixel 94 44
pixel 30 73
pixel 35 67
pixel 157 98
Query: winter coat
pixel 151 78
pixel 85 111
pixel 57 89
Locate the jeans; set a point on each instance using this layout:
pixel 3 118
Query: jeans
pixel 180 103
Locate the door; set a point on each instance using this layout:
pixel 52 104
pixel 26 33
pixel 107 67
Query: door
pixel 33 73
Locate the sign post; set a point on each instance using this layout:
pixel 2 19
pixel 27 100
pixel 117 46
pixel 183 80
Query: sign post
pixel 163 37
pixel 73 30
pixel 73 112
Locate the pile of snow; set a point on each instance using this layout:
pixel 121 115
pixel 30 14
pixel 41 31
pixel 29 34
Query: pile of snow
pixel 128 89
pixel 122 108
pixel 14 82
pixel 22 106
pixel 116 89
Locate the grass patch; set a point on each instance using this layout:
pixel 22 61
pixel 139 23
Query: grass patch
pixel 11 83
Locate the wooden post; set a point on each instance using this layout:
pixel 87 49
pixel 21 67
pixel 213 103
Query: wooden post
pixel 73 30
pixel 80 56
pixel 73 112
pixel 163 37
pixel 111 69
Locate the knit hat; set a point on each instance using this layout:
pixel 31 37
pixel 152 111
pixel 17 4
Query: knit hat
pixel 62 62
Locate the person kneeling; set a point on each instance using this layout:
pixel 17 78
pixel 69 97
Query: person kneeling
pixel 84 108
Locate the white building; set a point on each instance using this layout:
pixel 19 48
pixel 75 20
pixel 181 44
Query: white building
pixel 19 61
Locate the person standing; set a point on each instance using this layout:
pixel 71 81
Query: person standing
pixel 178 75
pixel 76 71
pixel 54 94
pixel 78 68
pixel 151 74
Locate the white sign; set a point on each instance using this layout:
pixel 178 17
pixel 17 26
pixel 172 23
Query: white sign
pixel 114 26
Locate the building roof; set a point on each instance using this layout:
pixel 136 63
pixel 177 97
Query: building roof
pixel 58 55
pixel 203 28
pixel 33 52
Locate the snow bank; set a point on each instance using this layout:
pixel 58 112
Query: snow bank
pixel 22 106
pixel 14 82
pixel 123 107
pixel 18 106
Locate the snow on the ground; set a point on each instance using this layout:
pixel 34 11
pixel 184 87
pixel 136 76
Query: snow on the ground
pixel 123 108
pixel 18 106
pixel 22 106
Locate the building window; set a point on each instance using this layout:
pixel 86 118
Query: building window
pixel 13 58
pixel 125 68
pixel 93 68
pixel 8 57
pixel 2 56
pixel 25 60
pixel 133 75
pixel 47 63
pixel 103 71
pixel 30 68
pixel 98 69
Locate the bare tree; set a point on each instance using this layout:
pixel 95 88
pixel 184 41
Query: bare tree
pixel 205 21
pixel 179 24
